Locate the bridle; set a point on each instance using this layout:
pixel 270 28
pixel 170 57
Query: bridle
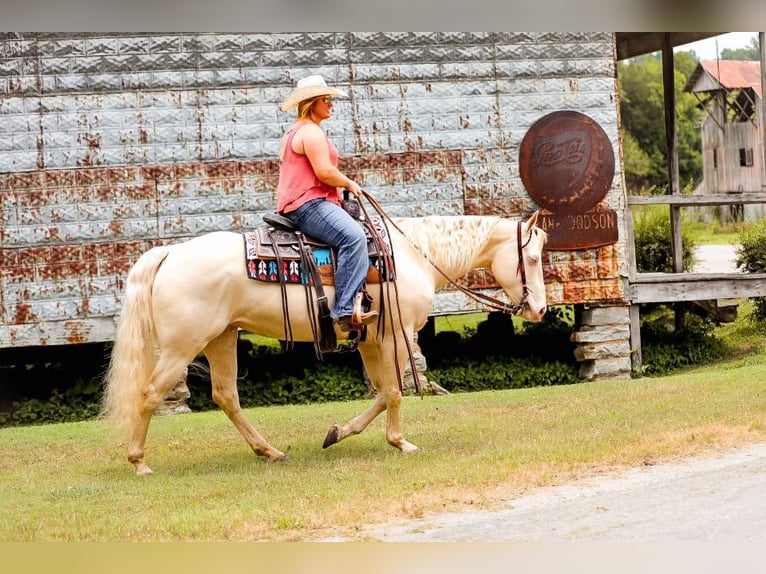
pixel 486 300
pixel 522 270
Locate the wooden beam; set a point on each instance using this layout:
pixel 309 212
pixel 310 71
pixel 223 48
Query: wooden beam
pixel 672 287
pixel 632 44
pixel 671 141
pixel 695 200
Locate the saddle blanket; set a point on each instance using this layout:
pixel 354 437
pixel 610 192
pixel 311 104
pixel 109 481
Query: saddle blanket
pixel 267 248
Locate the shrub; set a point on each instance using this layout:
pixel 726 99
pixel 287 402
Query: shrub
pixel 491 356
pixel 750 257
pixel 651 228
pixel 664 350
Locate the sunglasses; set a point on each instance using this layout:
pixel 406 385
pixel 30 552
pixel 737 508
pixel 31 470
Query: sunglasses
pixel 327 100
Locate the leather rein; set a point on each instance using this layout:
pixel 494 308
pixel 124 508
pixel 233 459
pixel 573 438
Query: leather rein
pixel 486 300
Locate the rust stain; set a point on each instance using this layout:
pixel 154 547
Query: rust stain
pixel 116 226
pixel 76 332
pixel 24 314
pixel 123 192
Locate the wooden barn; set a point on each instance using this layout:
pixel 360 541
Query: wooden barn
pixel 732 134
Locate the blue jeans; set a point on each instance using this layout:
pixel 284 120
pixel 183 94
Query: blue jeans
pixel 327 222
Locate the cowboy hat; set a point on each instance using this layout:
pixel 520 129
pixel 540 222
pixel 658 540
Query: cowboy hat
pixel 310 87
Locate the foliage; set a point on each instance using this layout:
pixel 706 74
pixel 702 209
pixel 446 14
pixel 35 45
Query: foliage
pixel 664 350
pixel 643 122
pixel 315 383
pixel 548 340
pixel 495 354
pixel 44 385
pixel 75 403
pixel 750 52
pixel 651 228
pixel 639 167
pixel 501 373
pixel 750 256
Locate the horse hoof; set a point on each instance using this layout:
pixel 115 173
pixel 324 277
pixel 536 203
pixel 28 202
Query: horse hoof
pixel 143 470
pixel 332 436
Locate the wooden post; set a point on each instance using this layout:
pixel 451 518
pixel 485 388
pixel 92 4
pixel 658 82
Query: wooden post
pixel 671 139
pixel 762 42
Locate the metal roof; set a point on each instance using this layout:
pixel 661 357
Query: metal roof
pixel 713 75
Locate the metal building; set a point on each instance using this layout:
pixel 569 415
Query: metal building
pixel 113 143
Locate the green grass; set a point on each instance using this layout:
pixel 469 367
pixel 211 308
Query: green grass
pixel 715 235
pixel 458 323
pixel 71 482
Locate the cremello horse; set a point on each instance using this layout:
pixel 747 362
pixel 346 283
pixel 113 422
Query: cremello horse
pixel 192 297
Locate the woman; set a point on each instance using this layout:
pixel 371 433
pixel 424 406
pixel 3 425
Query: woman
pixel 308 194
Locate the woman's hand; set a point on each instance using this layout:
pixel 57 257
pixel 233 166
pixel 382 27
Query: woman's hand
pixel 354 188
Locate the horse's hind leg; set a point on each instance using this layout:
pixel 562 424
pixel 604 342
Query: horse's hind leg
pixel 166 374
pixel 221 353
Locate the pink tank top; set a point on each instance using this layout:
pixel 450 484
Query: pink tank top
pixel 298 183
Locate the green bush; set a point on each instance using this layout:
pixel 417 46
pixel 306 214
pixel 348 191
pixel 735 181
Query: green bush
pixel 651 228
pixel 750 257
pixel 664 350
pixel 490 356
pixel 502 373
pixel 76 403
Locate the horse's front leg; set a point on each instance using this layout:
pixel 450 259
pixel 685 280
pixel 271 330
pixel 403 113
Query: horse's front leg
pixel 381 369
pixel 388 386
pixel 356 425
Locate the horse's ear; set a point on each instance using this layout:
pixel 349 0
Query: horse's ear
pixel 532 219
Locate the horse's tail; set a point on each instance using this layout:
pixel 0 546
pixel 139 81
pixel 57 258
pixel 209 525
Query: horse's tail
pixel 133 354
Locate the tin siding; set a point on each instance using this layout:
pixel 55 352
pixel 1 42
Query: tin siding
pixel 113 143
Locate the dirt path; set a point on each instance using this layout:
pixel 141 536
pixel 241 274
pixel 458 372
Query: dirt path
pixel 721 498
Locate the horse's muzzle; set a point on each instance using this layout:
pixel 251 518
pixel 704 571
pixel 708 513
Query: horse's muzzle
pixel 533 312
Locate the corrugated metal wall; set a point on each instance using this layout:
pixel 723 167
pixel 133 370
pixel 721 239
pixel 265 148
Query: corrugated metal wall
pixel 112 143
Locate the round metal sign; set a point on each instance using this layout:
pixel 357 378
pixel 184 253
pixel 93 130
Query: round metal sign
pixel 566 162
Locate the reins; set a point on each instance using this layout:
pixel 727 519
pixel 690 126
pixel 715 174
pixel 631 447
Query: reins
pixel 487 300
pixel 388 264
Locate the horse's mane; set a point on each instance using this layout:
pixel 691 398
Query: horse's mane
pixel 451 239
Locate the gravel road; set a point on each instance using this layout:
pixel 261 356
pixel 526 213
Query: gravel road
pixel 716 498
pixel 715 259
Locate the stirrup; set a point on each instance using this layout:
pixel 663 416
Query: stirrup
pixel 359 316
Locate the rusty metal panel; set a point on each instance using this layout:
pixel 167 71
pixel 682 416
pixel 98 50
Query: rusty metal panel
pixel 567 166
pixel 117 142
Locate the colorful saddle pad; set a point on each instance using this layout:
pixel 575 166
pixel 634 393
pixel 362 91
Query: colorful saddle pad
pixel 267 249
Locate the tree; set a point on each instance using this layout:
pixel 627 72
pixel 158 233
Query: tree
pixel 638 165
pixel 642 111
pixel 750 52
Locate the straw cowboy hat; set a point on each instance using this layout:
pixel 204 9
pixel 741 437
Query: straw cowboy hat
pixel 310 87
